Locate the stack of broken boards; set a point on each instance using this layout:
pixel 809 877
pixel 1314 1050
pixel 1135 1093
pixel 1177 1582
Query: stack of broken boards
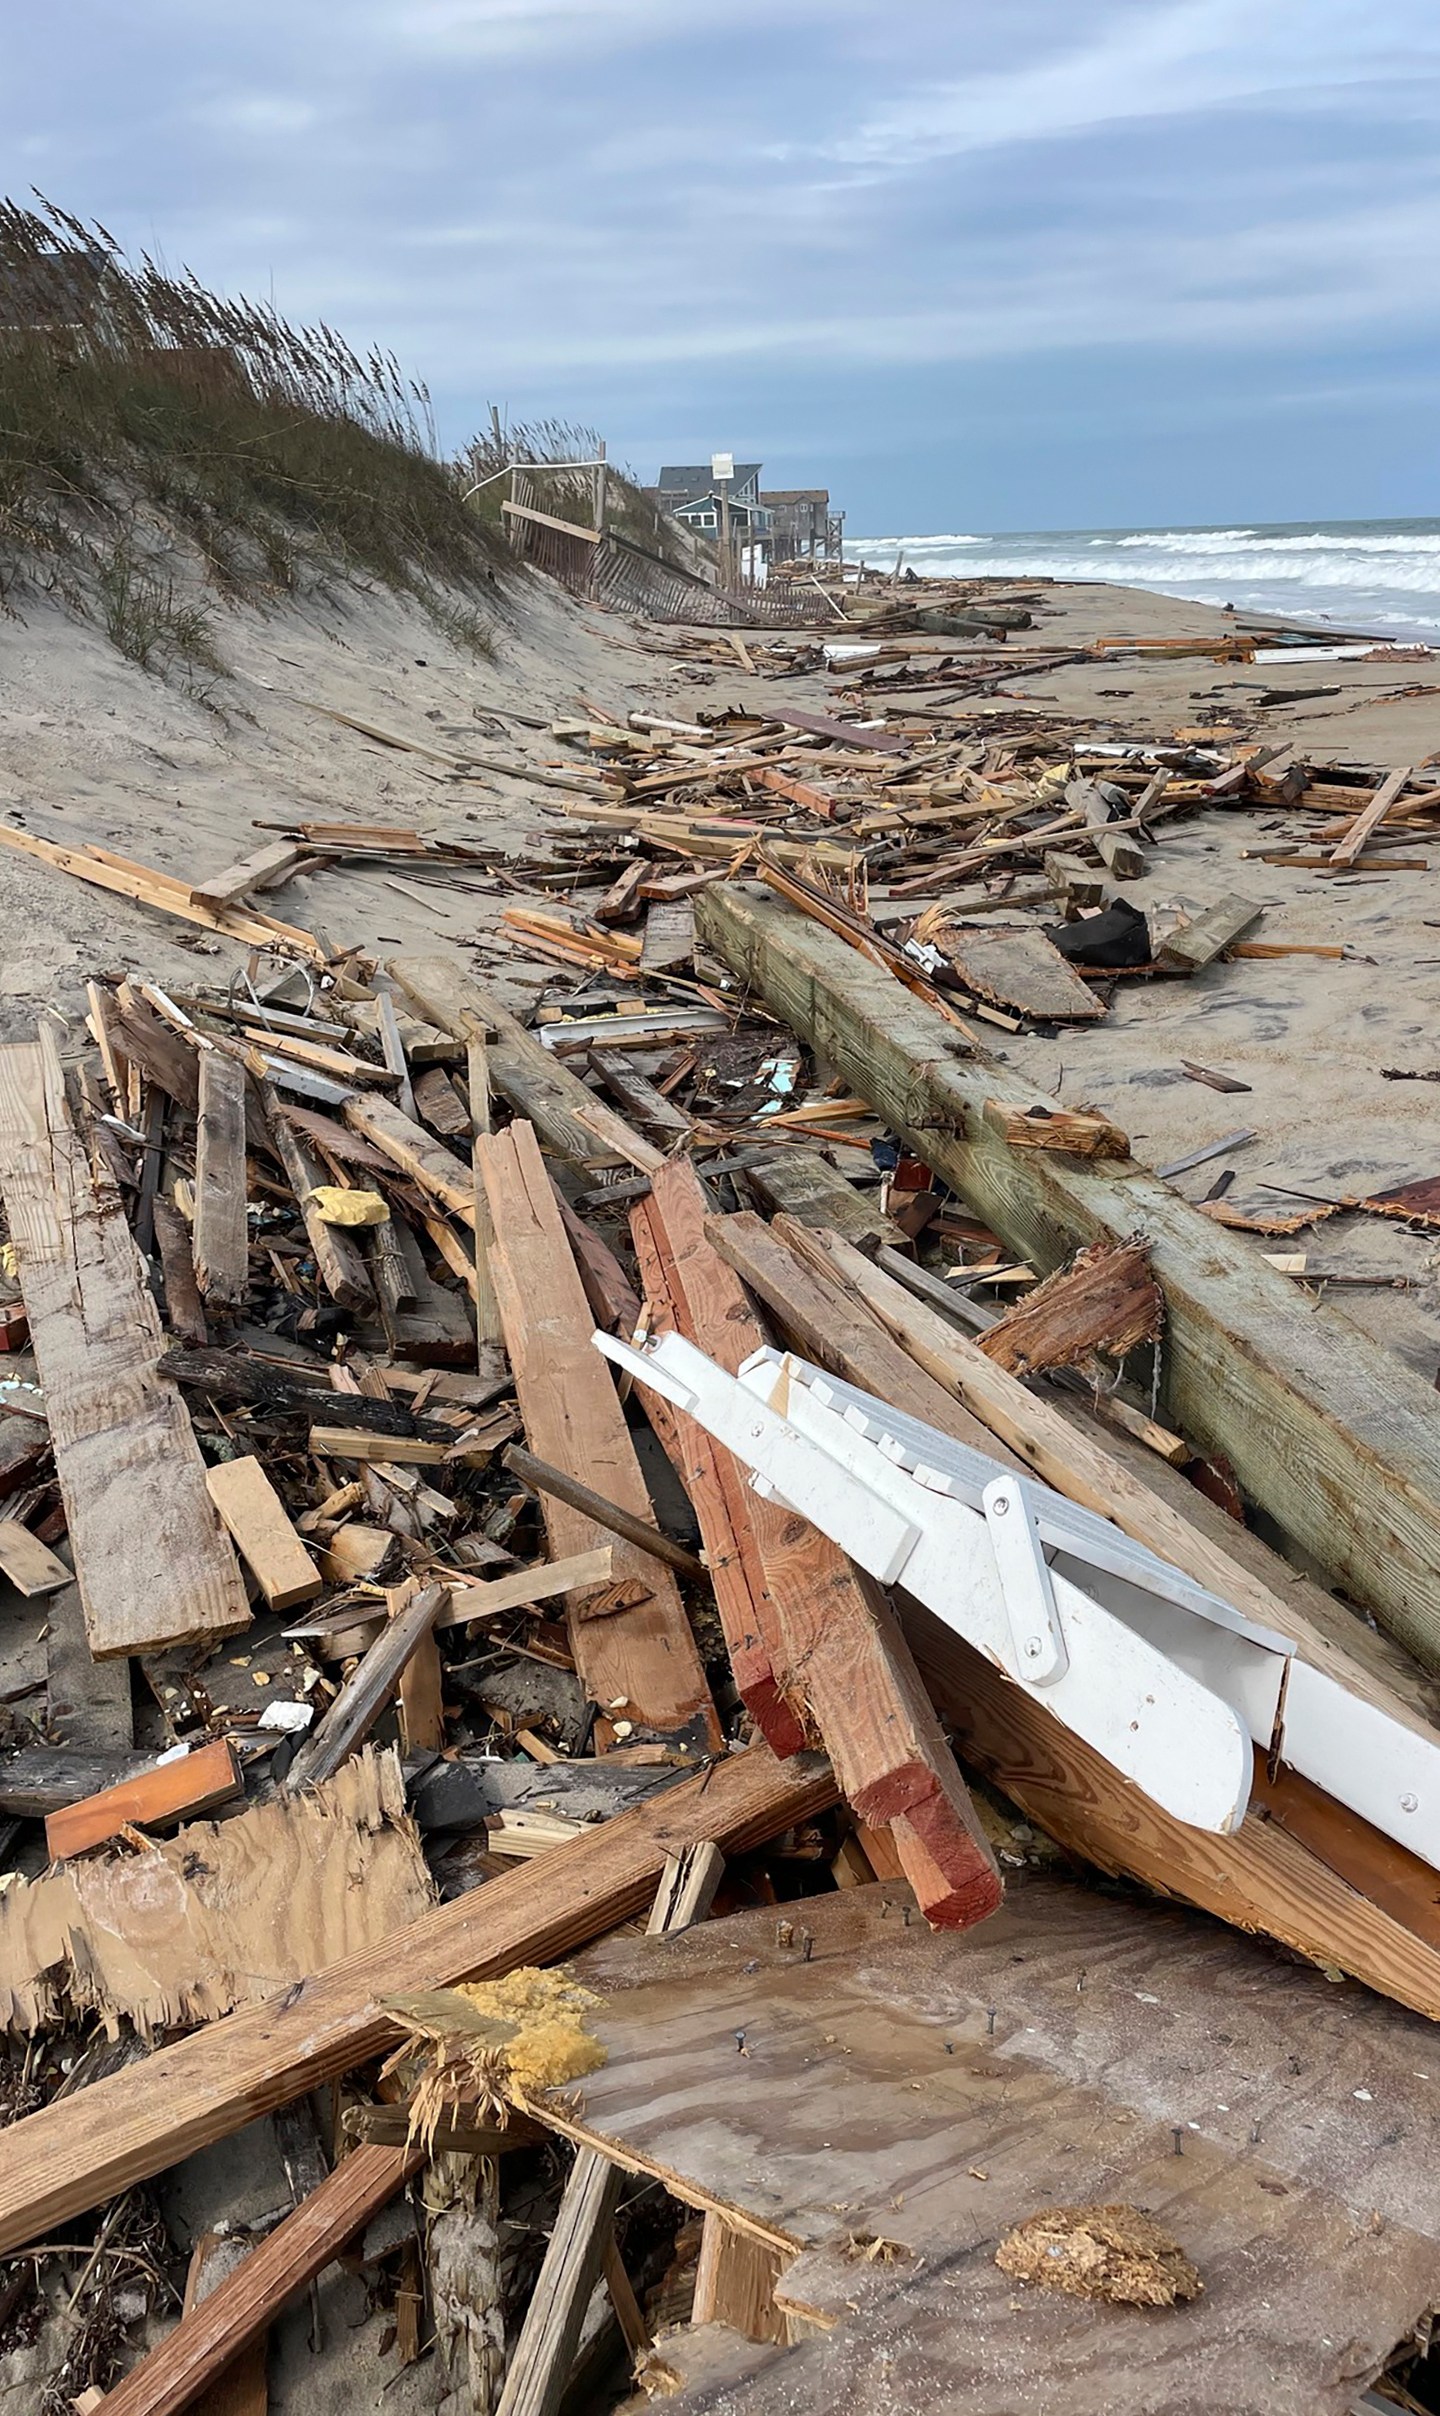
pixel 904 2097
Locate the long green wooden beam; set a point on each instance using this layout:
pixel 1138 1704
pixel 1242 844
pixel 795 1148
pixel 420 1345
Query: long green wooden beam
pixel 1326 1431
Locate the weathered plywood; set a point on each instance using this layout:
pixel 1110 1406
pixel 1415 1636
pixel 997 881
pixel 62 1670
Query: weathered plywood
pixel 1330 1433
pixel 223 1914
pixel 153 1564
pixel 1017 968
pixel 898 2101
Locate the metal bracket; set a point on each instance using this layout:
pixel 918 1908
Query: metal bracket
pixel 1039 1639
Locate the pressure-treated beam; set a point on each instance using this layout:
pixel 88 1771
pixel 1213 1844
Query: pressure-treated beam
pixel 1330 1434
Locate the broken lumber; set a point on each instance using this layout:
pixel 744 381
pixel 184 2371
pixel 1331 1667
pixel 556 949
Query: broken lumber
pixel 1327 1431
pixel 689 1288
pixel 1368 821
pixel 1106 1300
pixel 826 1637
pixel 344 1727
pixel 153 1565
pixel 570 1119
pixel 266 865
pixel 81 2150
pixel 224 1913
pixel 210 2333
pixel 255 1519
pixel 221 1241
pixel 641 1660
pixel 167 1792
pixel 337 1253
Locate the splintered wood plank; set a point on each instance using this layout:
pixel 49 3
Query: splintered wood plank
pixel 1018 969
pixel 735 2281
pixel 811 1631
pixel 569 1118
pixel 216 2328
pixel 225 1913
pixel 1198 942
pixel 259 1528
pixel 221 1241
pixel 153 1564
pixel 267 864
pixel 170 1791
pixel 1107 1300
pixel 84 2149
pixel 638 1663
pixel 1326 1430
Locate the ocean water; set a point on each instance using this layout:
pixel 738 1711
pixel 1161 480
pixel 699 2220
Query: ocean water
pixel 1380 576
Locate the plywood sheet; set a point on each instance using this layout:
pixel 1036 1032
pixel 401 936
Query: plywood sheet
pixel 224 1914
pixel 924 2093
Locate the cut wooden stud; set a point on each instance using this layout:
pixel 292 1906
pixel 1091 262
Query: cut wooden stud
pixel 641 1662
pixel 1366 823
pixel 81 2150
pixel 256 1519
pixel 153 1565
pixel 1198 943
pixel 30 1565
pixel 267 864
pixel 168 1792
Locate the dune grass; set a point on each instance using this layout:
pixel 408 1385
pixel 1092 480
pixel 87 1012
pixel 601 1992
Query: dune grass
pixel 136 407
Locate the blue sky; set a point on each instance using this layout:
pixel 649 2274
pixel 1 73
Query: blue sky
pixel 1054 263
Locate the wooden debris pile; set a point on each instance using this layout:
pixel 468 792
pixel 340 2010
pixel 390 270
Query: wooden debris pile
pixel 370 1651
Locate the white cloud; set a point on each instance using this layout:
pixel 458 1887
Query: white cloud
pixel 1150 61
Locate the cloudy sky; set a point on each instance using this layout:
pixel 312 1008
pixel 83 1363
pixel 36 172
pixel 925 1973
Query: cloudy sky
pixel 1047 264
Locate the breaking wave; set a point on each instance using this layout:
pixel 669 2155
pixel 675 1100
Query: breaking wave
pixel 1362 575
